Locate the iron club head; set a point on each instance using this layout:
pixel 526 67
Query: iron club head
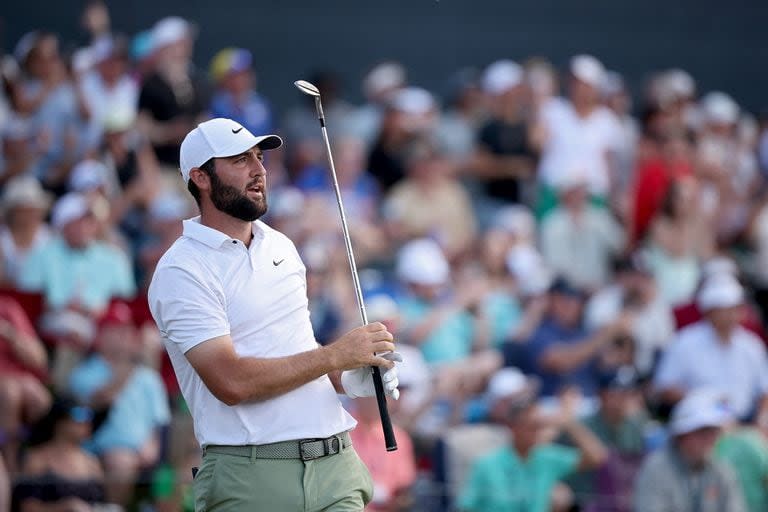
pixel 307 88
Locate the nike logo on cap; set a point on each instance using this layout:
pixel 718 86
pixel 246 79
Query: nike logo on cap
pixel 237 131
pixel 276 262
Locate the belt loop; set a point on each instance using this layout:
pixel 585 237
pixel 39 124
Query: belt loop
pixel 254 453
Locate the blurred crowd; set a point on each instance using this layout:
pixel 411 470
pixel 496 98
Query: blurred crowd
pixel 577 276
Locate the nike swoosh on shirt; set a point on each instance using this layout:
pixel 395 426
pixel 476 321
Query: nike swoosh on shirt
pixel 276 262
pixel 237 131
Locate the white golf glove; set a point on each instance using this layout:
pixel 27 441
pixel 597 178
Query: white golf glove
pixel 359 383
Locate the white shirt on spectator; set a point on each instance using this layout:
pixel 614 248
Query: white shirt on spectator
pixel 580 249
pixel 573 139
pixel 102 99
pixel 208 285
pixel 696 358
pixel 652 328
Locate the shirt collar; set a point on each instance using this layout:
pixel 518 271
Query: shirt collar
pixel 212 237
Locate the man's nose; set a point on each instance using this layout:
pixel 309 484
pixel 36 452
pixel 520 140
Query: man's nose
pixel 257 168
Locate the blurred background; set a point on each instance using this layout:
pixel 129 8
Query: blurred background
pixel 559 209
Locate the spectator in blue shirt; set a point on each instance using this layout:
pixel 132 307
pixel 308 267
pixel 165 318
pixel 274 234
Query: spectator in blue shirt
pixel 235 96
pixel 560 351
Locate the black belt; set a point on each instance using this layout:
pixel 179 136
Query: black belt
pixel 304 449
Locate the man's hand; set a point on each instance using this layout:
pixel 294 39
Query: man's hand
pixel 359 383
pixel 359 348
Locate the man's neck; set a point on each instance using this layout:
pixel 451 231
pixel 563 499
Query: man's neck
pixel 234 228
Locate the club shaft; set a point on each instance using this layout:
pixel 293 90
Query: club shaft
pixel 381 399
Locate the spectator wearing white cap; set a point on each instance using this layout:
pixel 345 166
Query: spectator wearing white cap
pixel 73 270
pixel 445 322
pixel 379 84
pixel 108 87
pixel 578 239
pixel 410 114
pixel 683 475
pixel 430 201
pixel 578 129
pixel 503 160
pixel 502 479
pixel 24 206
pixel 718 353
pixel 175 96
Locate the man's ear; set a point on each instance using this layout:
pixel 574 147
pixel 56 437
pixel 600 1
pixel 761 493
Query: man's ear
pixel 200 178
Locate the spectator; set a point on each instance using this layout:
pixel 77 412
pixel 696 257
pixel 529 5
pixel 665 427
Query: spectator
pixel 683 476
pixel 442 323
pixel 522 476
pixel 456 129
pixel 745 449
pixel 430 201
pixel 393 473
pixel 717 353
pixel 58 474
pixel 108 87
pixel 76 274
pixel 235 96
pixel 616 97
pixel 174 97
pixel 635 290
pixel 24 398
pixel 680 238
pixel 410 113
pixel 130 396
pixel 621 424
pixel 24 205
pixel 22 149
pixel 579 129
pixel 503 160
pixel 560 351
pixel 46 95
pixel 578 239
pixel 379 85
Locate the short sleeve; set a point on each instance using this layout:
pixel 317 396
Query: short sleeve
pixel 188 309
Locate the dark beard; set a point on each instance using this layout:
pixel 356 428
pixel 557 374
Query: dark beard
pixel 231 201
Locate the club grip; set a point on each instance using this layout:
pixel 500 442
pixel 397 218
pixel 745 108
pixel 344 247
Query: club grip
pixel 386 422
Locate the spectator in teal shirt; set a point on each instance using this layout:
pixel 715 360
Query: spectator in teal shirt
pixel 76 274
pixel 522 476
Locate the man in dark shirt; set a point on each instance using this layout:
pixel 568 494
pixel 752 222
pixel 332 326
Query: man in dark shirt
pixel 503 158
pixel 175 96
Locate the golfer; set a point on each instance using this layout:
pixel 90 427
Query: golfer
pixel 229 298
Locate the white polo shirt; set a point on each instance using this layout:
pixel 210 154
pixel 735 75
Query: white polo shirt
pixel 208 285
pixel 697 359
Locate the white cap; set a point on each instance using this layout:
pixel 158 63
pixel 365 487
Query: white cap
pixel 413 100
pixel 680 83
pixel 517 220
pixel 506 382
pixel 168 206
pixel 502 76
pixel 720 291
pixel 573 176
pixel 422 262
pixel 219 138
pixel 700 408
pixel 587 69
pixel 527 266
pixel 24 191
pixel 170 30
pixel 384 78
pixel 70 207
pixel 88 175
pixel 381 307
pixel 718 107
pixel 719 265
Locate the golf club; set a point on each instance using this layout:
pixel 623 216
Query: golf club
pixel 386 424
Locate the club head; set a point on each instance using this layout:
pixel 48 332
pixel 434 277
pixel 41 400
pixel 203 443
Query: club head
pixel 307 88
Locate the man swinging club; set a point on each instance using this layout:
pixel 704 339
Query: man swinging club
pixel 229 298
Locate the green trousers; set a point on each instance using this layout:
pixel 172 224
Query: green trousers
pixel 230 483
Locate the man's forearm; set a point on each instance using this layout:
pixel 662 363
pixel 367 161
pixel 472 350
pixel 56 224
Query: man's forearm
pixel 593 451
pixel 566 357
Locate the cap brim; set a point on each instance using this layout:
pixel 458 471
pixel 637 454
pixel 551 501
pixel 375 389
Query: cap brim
pixel 265 143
